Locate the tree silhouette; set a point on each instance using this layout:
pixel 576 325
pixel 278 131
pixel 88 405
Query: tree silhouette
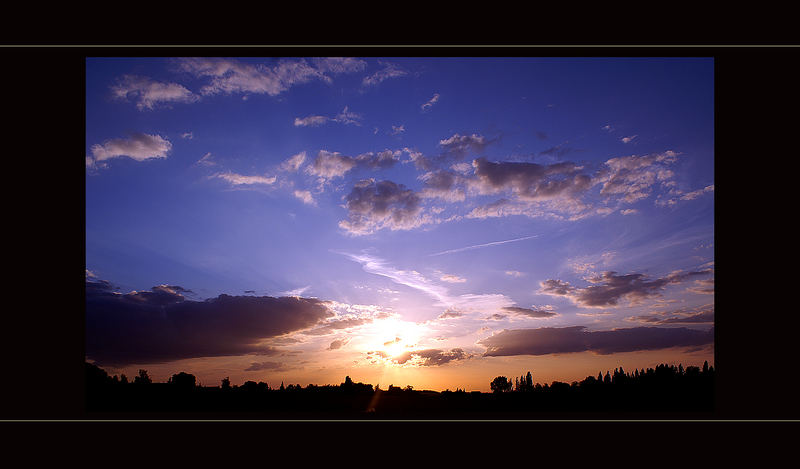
pixel 226 383
pixel 500 384
pixel 183 380
pixel 143 378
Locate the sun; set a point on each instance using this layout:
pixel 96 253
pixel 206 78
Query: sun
pixel 394 336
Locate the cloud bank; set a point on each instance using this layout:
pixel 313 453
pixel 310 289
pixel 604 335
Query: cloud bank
pixel 575 339
pixel 161 325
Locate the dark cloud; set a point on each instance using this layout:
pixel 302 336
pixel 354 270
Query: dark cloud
pixel 556 151
pixel 331 327
pixel 442 184
pixel 267 366
pixel 530 181
pixel 533 313
pixel 574 339
pixel 432 357
pixel 384 204
pixel 450 314
pixel 608 288
pixel 703 315
pixel 161 325
pixel 338 343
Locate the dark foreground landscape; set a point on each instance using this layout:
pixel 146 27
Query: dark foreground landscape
pixel 663 392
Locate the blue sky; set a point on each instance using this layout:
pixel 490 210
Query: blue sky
pixel 428 204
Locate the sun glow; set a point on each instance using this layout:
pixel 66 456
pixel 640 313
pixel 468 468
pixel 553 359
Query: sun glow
pixel 393 336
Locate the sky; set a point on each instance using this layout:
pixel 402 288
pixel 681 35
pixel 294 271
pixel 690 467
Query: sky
pixel 430 221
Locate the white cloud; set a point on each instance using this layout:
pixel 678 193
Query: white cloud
pixel 233 76
pixel 310 121
pixel 628 139
pixel 239 179
pixel 305 196
pixel 206 160
pixel 449 278
pixel 398 129
pixel 430 102
pixel 388 71
pixel 139 147
pixel 294 162
pixel 149 93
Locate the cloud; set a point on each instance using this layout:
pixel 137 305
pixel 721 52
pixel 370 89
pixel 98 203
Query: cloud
pixel 514 273
pixel 267 366
pixel 149 93
pixel 703 287
pixel 632 177
pixel 310 121
pixel 239 179
pixel 607 128
pixel 293 163
pixel 557 151
pixel 628 139
pixel 695 194
pixel 398 129
pixel 431 357
pixel 337 344
pixel 230 76
pixel 629 211
pixel 530 181
pixel 381 160
pixel 139 147
pixel 336 325
pixel 458 146
pixel 206 160
pixel 330 165
pixel 373 206
pixel 339 64
pixel 531 313
pixel 388 71
pixel 452 278
pixel 608 288
pixel 441 184
pixel 296 291
pixel 161 325
pixel 450 314
pixel 575 339
pixel 305 196
pixel 188 135
pixel 417 281
pixel 348 117
pixel 702 315
pixel 430 102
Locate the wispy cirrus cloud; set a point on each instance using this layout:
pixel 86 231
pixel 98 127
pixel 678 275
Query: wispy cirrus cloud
pixel 388 71
pixel 426 106
pixel 346 117
pixel 293 163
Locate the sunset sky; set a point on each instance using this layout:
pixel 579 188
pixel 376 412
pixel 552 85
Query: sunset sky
pixel 432 222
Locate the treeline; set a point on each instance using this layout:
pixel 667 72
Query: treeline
pixel 665 388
